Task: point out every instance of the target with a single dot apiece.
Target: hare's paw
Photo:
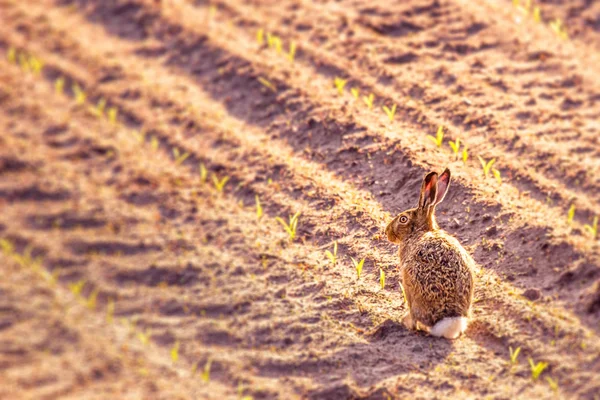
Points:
(409, 322)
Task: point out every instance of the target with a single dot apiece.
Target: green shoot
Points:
(332, 256)
(439, 136)
(277, 44)
(455, 146)
(339, 84)
(497, 175)
(91, 301)
(259, 209)
(487, 166)
(175, 352)
(571, 214)
(112, 115)
(267, 84)
(154, 143)
(537, 369)
(270, 39)
(369, 100)
(559, 28)
(219, 184)
(358, 265)
(553, 384)
(514, 355)
(390, 112)
(77, 287)
(212, 11)
(79, 94)
(144, 337)
(205, 376)
(355, 92)
(292, 53)
(465, 155)
(11, 55)
(260, 36)
(6, 246)
(203, 173)
(592, 229)
(36, 65)
(59, 85)
(537, 15)
(110, 311)
(382, 278)
(290, 227)
(179, 158)
(24, 62)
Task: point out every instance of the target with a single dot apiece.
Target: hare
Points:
(436, 271)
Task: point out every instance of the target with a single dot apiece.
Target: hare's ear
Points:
(428, 191)
(442, 186)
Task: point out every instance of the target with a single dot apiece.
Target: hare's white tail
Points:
(450, 328)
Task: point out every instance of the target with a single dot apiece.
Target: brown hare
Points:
(437, 272)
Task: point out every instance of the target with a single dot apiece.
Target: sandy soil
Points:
(128, 274)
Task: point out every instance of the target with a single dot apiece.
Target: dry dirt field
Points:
(137, 136)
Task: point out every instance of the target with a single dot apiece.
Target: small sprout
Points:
(514, 355)
(36, 65)
(390, 112)
(537, 369)
(259, 209)
(77, 287)
(91, 301)
(267, 84)
(292, 53)
(358, 265)
(496, 174)
(110, 311)
(339, 84)
(6, 246)
(455, 146)
(369, 100)
(355, 92)
(332, 256)
(465, 155)
(203, 173)
(59, 85)
(112, 115)
(99, 109)
(439, 136)
(559, 28)
(260, 36)
(553, 384)
(537, 15)
(79, 94)
(11, 55)
(487, 166)
(592, 229)
(382, 278)
(219, 184)
(290, 227)
(205, 376)
(144, 337)
(179, 158)
(24, 62)
(277, 44)
(270, 40)
(571, 214)
(154, 143)
(175, 352)
(212, 11)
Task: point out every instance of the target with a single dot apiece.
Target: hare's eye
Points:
(403, 219)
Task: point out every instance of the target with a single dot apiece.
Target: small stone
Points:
(417, 349)
(491, 231)
(532, 294)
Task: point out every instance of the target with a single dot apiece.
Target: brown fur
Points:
(436, 270)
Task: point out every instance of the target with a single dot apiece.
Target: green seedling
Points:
(291, 226)
(24, 62)
(79, 94)
(91, 301)
(571, 214)
(260, 36)
(537, 369)
(465, 155)
(267, 84)
(355, 92)
(486, 165)
(340, 84)
(175, 352)
(593, 228)
(496, 174)
(36, 65)
(77, 287)
(455, 146)
(559, 28)
(277, 44)
(205, 376)
(259, 209)
(11, 55)
(439, 136)
(292, 53)
(514, 355)
(140, 136)
(144, 337)
(537, 14)
(179, 158)
(270, 40)
(212, 11)
(358, 265)
(6, 246)
(154, 143)
(219, 183)
(203, 173)
(98, 111)
(110, 311)
(390, 112)
(112, 115)
(381, 278)
(553, 384)
(369, 100)
(59, 85)
(332, 256)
